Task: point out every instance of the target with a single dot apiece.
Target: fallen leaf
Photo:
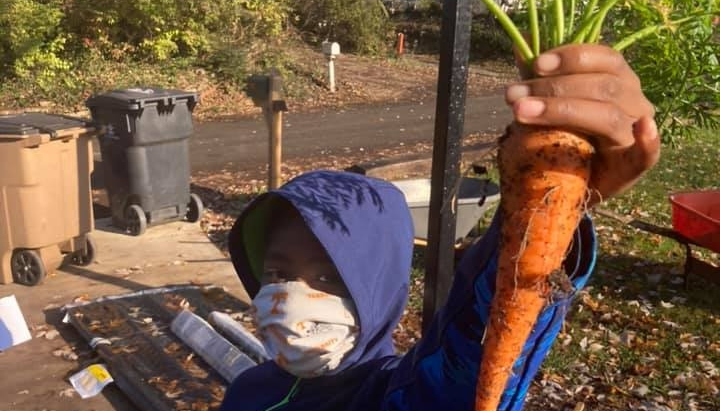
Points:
(627, 337)
(567, 340)
(81, 298)
(678, 300)
(583, 343)
(52, 334)
(613, 338)
(68, 392)
(596, 347)
(672, 324)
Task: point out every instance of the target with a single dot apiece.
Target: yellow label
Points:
(99, 372)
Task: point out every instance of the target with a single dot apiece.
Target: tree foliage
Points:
(359, 25)
(43, 40)
(31, 41)
(43, 37)
(678, 66)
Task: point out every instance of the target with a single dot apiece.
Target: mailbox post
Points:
(331, 50)
(266, 92)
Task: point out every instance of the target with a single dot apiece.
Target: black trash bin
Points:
(145, 158)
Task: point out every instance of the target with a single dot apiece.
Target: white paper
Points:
(212, 347)
(90, 381)
(13, 329)
(239, 336)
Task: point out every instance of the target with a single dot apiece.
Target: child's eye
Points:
(273, 275)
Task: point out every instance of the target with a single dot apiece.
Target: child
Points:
(327, 257)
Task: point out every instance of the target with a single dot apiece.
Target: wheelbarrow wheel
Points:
(27, 267)
(85, 257)
(194, 209)
(135, 220)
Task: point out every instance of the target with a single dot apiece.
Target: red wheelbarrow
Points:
(695, 222)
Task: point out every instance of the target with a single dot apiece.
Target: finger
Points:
(647, 143)
(583, 58)
(599, 87)
(606, 120)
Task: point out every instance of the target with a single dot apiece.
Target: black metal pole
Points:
(449, 119)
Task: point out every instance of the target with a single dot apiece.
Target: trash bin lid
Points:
(137, 98)
(25, 124)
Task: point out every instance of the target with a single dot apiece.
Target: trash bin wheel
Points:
(135, 220)
(27, 267)
(194, 209)
(86, 256)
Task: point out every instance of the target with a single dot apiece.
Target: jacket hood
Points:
(365, 227)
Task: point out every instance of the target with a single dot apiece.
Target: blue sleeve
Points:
(441, 371)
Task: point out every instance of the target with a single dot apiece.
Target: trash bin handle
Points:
(78, 119)
(485, 181)
(53, 133)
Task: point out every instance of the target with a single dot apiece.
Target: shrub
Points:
(488, 40)
(358, 25)
(31, 44)
(228, 60)
(164, 29)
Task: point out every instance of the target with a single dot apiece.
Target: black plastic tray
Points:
(153, 367)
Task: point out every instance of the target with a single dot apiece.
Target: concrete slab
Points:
(33, 379)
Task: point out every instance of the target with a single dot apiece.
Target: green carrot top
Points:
(552, 23)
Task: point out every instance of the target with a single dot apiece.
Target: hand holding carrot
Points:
(583, 132)
(592, 90)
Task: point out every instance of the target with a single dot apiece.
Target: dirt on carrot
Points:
(544, 178)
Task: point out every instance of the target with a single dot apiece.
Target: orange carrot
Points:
(544, 179)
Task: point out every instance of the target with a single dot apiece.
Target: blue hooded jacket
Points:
(365, 227)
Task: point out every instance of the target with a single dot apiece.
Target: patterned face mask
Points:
(305, 331)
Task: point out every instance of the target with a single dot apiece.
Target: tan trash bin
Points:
(45, 197)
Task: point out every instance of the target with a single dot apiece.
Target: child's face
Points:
(294, 254)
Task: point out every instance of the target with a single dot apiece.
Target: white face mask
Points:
(305, 331)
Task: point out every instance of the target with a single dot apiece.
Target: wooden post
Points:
(275, 177)
(331, 73)
(400, 44)
(266, 92)
(274, 112)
